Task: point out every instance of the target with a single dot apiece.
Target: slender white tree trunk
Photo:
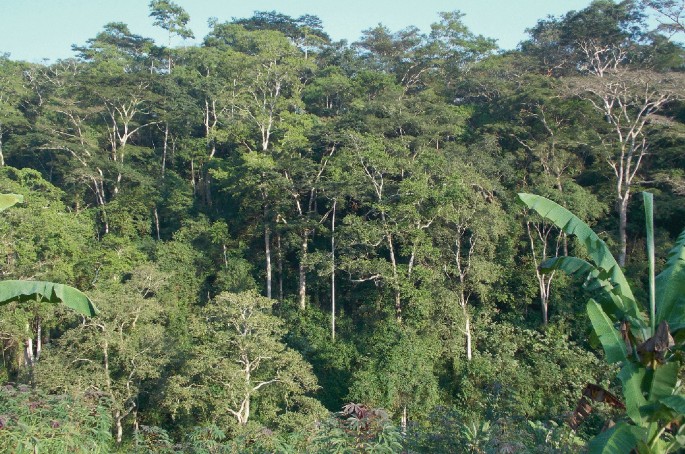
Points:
(333, 272)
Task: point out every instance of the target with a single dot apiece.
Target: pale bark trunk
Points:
(267, 253)
(395, 275)
(279, 257)
(246, 413)
(192, 176)
(467, 332)
(157, 223)
(28, 352)
(165, 147)
(404, 420)
(622, 223)
(302, 289)
(2, 156)
(39, 340)
(333, 272)
(119, 426)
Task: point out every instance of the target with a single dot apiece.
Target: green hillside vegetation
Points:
(290, 244)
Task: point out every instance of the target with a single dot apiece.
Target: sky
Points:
(34, 30)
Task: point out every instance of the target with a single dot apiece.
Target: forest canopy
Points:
(302, 245)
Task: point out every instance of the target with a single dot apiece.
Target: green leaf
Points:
(632, 377)
(620, 439)
(48, 292)
(663, 381)
(670, 288)
(574, 266)
(597, 249)
(8, 200)
(610, 337)
(676, 403)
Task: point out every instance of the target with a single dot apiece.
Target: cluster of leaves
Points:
(32, 421)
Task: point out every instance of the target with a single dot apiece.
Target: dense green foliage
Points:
(273, 225)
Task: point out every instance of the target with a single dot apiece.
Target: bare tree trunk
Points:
(2, 156)
(267, 253)
(28, 352)
(467, 332)
(622, 222)
(404, 420)
(165, 147)
(395, 275)
(333, 272)
(119, 426)
(279, 258)
(157, 223)
(39, 340)
(302, 289)
(192, 176)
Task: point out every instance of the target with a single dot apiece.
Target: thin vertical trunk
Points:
(279, 258)
(28, 352)
(2, 156)
(157, 223)
(467, 332)
(302, 288)
(192, 176)
(246, 412)
(404, 420)
(165, 147)
(39, 338)
(119, 426)
(333, 272)
(267, 253)
(622, 223)
(395, 275)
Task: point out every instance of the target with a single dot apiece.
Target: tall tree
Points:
(172, 18)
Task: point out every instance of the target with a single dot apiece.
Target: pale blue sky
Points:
(35, 29)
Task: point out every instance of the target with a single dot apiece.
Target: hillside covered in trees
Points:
(299, 245)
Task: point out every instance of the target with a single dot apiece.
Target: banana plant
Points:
(41, 291)
(639, 337)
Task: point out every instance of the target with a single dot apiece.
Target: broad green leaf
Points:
(676, 403)
(48, 292)
(610, 337)
(620, 439)
(632, 377)
(663, 381)
(670, 288)
(595, 280)
(8, 200)
(597, 250)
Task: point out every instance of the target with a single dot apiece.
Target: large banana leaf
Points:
(670, 288)
(597, 249)
(7, 200)
(610, 337)
(664, 380)
(595, 278)
(48, 292)
(620, 439)
(632, 378)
